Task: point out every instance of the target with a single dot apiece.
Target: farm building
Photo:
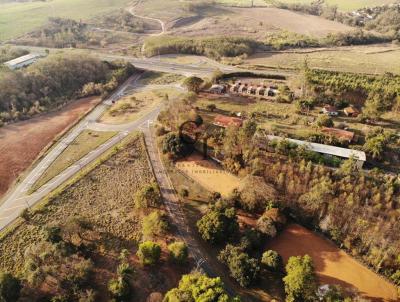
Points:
(22, 61)
(261, 90)
(243, 88)
(217, 89)
(327, 149)
(351, 111)
(235, 87)
(252, 90)
(330, 110)
(341, 135)
(226, 121)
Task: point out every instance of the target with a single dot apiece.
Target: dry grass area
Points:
(104, 198)
(332, 265)
(359, 59)
(255, 22)
(87, 141)
(208, 174)
(132, 107)
(22, 142)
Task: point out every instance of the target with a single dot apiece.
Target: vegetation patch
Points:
(86, 141)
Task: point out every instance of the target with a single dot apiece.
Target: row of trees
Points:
(54, 81)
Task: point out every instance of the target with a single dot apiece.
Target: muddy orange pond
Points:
(333, 266)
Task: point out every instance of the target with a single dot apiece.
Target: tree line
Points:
(54, 81)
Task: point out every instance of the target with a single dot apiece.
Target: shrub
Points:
(271, 260)
(119, 289)
(178, 252)
(266, 226)
(149, 253)
(193, 84)
(148, 196)
(324, 121)
(155, 224)
(10, 288)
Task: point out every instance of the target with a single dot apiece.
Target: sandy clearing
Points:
(333, 265)
(22, 142)
(208, 174)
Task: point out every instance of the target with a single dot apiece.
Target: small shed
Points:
(351, 111)
(252, 90)
(261, 90)
(243, 88)
(330, 110)
(235, 87)
(217, 89)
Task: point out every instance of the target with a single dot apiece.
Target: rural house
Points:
(217, 89)
(351, 111)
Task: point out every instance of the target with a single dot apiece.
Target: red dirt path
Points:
(22, 142)
(333, 266)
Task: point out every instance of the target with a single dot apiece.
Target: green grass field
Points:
(19, 18)
(345, 5)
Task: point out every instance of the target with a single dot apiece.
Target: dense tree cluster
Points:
(210, 47)
(54, 81)
(357, 210)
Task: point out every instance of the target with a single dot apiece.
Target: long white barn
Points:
(327, 149)
(22, 61)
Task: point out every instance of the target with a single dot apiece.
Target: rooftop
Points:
(225, 121)
(325, 149)
(22, 59)
(339, 133)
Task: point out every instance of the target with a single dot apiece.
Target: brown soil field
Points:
(21, 143)
(208, 174)
(257, 22)
(332, 265)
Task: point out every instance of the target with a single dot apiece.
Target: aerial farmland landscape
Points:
(199, 150)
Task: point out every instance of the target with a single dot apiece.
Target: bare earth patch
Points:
(255, 22)
(22, 142)
(333, 266)
(208, 174)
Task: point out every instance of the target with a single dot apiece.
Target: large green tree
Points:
(300, 281)
(242, 267)
(198, 288)
(193, 84)
(218, 225)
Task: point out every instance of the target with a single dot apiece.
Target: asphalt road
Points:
(19, 199)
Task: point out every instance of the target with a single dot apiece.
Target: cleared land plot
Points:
(88, 140)
(132, 107)
(22, 142)
(332, 265)
(160, 78)
(104, 199)
(19, 18)
(255, 22)
(361, 59)
(345, 5)
(208, 174)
